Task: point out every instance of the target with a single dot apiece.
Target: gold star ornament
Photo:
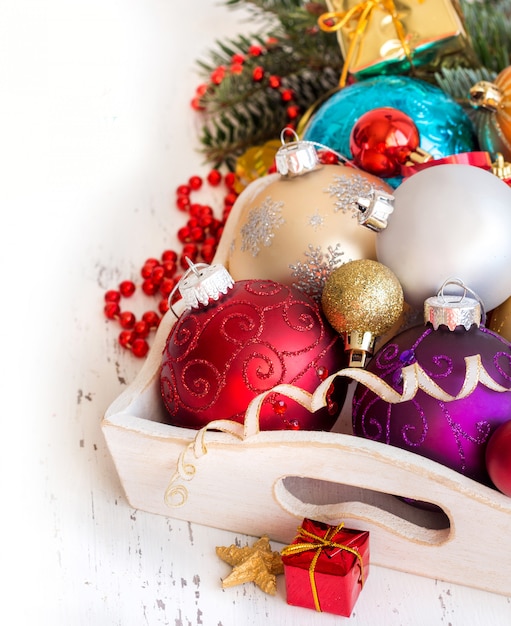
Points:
(256, 563)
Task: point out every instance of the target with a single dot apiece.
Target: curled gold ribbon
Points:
(320, 543)
(333, 21)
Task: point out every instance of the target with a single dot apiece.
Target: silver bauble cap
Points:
(297, 157)
(452, 311)
(203, 283)
(374, 209)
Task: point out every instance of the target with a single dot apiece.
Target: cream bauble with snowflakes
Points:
(296, 226)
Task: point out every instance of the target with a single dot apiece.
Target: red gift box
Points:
(325, 567)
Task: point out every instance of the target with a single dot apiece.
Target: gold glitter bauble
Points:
(363, 296)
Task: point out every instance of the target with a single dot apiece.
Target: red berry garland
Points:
(258, 74)
(199, 239)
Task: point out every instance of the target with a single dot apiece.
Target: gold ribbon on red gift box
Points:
(318, 543)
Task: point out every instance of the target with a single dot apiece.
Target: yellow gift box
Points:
(392, 36)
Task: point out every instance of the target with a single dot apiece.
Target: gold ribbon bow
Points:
(320, 543)
(362, 12)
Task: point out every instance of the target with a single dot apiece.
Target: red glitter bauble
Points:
(382, 140)
(260, 334)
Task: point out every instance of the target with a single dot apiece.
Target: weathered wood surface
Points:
(96, 135)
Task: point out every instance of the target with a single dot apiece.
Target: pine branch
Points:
(488, 23)
(457, 82)
(241, 112)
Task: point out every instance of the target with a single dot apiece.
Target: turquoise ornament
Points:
(444, 127)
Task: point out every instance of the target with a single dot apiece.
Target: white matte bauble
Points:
(450, 221)
(296, 230)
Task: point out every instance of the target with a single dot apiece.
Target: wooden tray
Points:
(267, 482)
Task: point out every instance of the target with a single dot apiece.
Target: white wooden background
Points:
(96, 133)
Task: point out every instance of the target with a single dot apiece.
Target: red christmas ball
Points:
(220, 356)
(498, 458)
(382, 140)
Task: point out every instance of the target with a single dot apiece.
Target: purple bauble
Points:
(454, 433)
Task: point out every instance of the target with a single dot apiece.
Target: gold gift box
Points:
(388, 37)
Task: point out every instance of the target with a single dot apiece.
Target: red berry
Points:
(274, 82)
(230, 198)
(329, 158)
(166, 287)
(111, 310)
(293, 111)
(230, 179)
(195, 182)
(208, 252)
(141, 329)
(183, 202)
(169, 268)
(196, 104)
(258, 74)
(163, 306)
(149, 287)
(218, 75)
(126, 338)
(127, 288)
(201, 89)
(205, 222)
(140, 347)
(197, 234)
(214, 178)
(151, 318)
(255, 50)
(287, 95)
(236, 68)
(183, 190)
(112, 296)
(157, 274)
(183, 234)
(127, 319)
(169, 255)
(237, 58)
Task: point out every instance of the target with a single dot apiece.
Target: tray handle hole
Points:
(331, 502)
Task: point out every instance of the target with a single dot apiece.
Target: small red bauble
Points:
(259, 334)
(498, 458)
(382, 140)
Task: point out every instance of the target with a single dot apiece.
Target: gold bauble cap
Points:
(486, 95)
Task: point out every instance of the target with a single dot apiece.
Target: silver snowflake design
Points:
(348, 190)
(311, 275)
(316, 220)
(259, 229)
